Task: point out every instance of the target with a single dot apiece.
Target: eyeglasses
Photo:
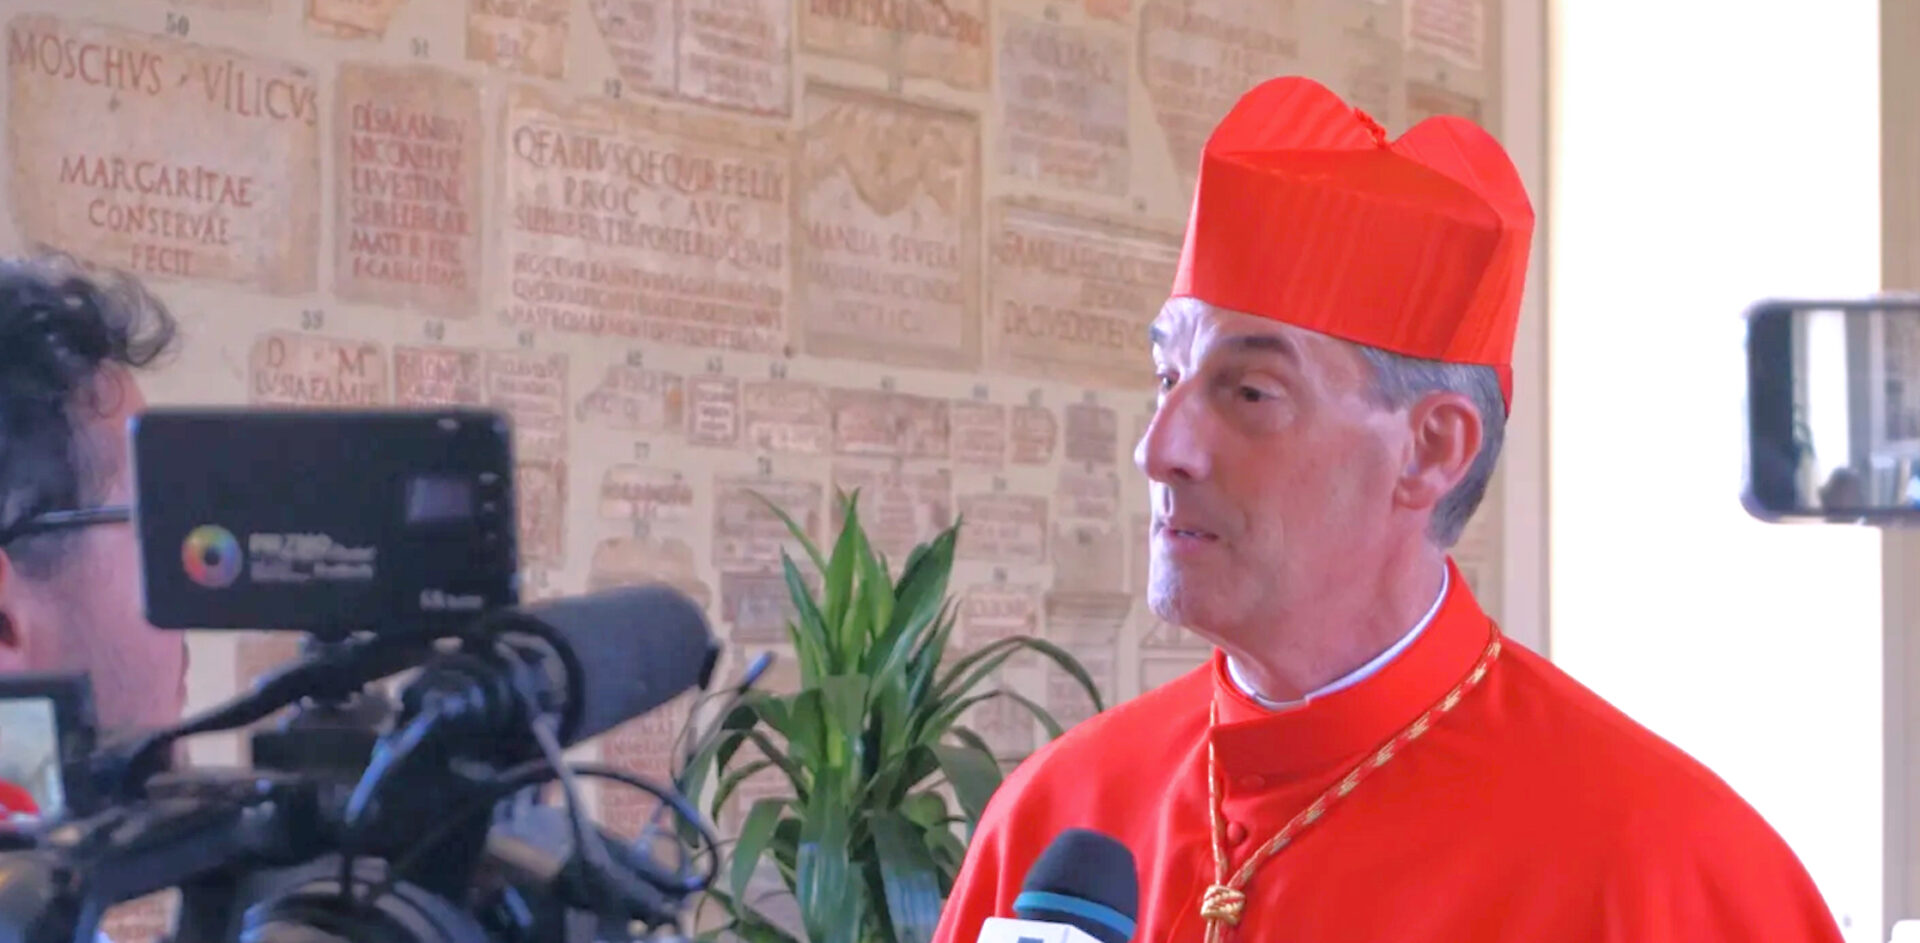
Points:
(53, 521)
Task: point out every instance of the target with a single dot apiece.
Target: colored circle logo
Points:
(211, 556)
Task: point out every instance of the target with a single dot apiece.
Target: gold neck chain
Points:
(1226, 900)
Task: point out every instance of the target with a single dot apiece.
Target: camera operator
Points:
(71, 342)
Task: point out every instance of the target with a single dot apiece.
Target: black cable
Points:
(682, 759)
(388, 758)
(586, 841)
(87, 928)
(685, 746)
(535, 773)
(679, 804)
(755, 670)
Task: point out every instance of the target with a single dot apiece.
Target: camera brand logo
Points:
(211, 556)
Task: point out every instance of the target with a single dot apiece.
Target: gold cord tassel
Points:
(1223, 903)
(1221, 907)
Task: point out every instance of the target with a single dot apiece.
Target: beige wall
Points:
(807, 234)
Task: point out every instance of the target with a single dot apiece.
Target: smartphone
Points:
(1833, 410)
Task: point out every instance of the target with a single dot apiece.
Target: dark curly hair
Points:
(60, 323)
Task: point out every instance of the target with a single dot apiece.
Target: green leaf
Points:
(743, 716)
(796, 771)
(877, 597)
(1054, 729)
(844, 697)
(925, 809)
(851, 634)
(745, 922)
(974, 667)
(975, 775)
(923, 578)
(707, 761)
(755, 833)
(910, 875)
(951, 711)
(775, 710)
(824, 886)
(844, 702)
(925, 662)
(812, 644)
(730, 783)
(807, 728)
(949, 850)
(918, 609)
(763, 931)
(966, 736)
(893, 724)
(837, 577)
(786, 848)
(916, 764)
(806, 542)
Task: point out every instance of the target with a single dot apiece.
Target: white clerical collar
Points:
(1355, 676)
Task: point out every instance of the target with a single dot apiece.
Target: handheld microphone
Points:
(1084, 889)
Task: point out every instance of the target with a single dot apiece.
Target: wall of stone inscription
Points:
(699, 249)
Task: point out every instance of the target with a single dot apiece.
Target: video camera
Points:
(388, 538)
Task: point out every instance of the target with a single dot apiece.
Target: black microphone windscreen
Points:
(1086, 879)
(638, 647)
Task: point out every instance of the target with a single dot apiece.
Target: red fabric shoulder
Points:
(1672, 851)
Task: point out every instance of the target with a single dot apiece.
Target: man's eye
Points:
(1252, 395)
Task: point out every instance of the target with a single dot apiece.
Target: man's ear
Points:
(15, 623)
(1445, 434)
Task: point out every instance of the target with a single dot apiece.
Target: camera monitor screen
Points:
(31, 783)
(46, 731)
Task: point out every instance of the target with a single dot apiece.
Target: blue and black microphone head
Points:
(1085, 879)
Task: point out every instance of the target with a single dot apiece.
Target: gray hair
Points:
(1398, 381)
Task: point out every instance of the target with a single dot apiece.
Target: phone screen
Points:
(1834, 410)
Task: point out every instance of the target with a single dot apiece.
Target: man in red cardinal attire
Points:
(1365, 758)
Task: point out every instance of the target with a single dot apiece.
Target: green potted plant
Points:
(866, 842)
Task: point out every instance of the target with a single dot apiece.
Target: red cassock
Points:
(1531, 811)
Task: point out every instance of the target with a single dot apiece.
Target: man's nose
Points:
(1174, 447)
